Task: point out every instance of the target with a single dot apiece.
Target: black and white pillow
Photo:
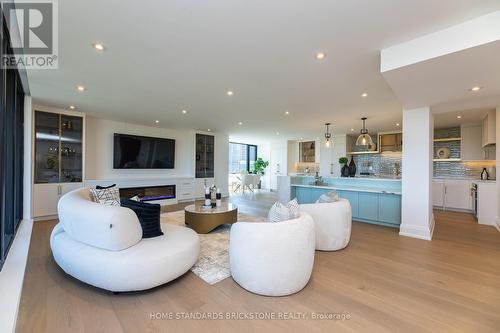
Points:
(148, 215)
(106, 196)
(283, 212)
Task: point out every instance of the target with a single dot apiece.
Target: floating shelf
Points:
(448, 139)
(362, 152)
(447, 159)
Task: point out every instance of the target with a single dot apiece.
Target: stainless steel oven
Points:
(474, 198)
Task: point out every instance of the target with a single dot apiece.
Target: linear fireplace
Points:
(149, 193)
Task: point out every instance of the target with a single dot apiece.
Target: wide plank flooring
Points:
(382, 281)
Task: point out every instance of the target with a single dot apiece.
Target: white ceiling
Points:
(166, 56)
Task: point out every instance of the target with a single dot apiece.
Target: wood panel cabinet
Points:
(391, 141)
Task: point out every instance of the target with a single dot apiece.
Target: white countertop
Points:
(350, 188)
(387, 178)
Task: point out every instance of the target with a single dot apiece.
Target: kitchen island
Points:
(373, 200)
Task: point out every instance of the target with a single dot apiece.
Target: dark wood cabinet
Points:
(205, 159)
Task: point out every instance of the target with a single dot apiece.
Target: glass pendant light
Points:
(328, 136)
(364, 139)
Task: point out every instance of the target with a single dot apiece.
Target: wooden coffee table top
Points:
(200, 209)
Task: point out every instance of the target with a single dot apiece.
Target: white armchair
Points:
(332, 223)
(102, 245)
(272, 259)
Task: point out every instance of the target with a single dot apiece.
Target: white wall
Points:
(497, 139)
(99, 152)
(278, 162)
(417, 218)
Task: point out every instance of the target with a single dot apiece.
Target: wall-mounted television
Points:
(142, 152)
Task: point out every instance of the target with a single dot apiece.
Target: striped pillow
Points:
(283, 212)
(331, 196)
(149, 217)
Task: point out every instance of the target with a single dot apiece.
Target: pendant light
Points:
(364, 139)
(328, 136)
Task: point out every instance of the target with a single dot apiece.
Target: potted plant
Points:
(344, 172)
(259, 167)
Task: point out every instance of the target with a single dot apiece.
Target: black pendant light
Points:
(328, 135)
(364, 139)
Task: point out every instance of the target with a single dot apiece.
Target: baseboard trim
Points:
(12, 277)
(497, 224)
(416, 231)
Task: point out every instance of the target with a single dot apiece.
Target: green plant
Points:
(259, 166)
(343, 160)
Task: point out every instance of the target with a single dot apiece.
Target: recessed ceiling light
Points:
(72, 107)
(209, 130)
(301, 138)
(364, 95)
(287, 113)
(320, 56)
(352, 129)
(98, 46)
(81, 88)
(184, 111)
(230, 93)
(397, 124)
(240, 123)
(157, 121)
(476, 88)
(459, 117)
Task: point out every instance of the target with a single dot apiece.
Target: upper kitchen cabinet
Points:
(472, 143)
(489, 128)
(307, 152)
(390, 141)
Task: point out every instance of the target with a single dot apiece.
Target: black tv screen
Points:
(142, 152)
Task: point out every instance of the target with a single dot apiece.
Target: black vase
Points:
(352, 168)
(344, 171)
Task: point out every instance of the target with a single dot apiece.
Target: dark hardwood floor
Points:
(384, 282)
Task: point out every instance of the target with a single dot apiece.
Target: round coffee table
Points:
(205, 219)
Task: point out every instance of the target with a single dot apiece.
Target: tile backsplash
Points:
(463, 169)
(383, 165)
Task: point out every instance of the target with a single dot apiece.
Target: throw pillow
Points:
(293, 207)
(148, 215)
(283, 212)
(107, 196)
(99, 187)
(331, 196)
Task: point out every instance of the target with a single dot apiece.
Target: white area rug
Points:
(213, 264)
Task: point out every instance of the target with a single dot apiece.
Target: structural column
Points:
(497, 138)
(417, 218)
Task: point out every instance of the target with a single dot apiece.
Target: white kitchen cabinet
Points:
(489, 128)
(471, 148)
(457, 194)
(46, 197)
(185, 189)
(454, 194)
(438, 192)
(486, 202)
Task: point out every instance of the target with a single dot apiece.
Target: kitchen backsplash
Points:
(303, 167)
(463, 169)
(382, 165)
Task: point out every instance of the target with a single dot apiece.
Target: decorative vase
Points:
(352, 168)
(344, 171)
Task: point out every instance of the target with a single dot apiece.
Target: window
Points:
(11, 151)
(242, 157)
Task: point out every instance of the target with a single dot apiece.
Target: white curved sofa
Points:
(102, 245)
(332, 223)
(272, 259)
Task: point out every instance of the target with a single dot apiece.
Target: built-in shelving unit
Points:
(447, 159)
(362, 152)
